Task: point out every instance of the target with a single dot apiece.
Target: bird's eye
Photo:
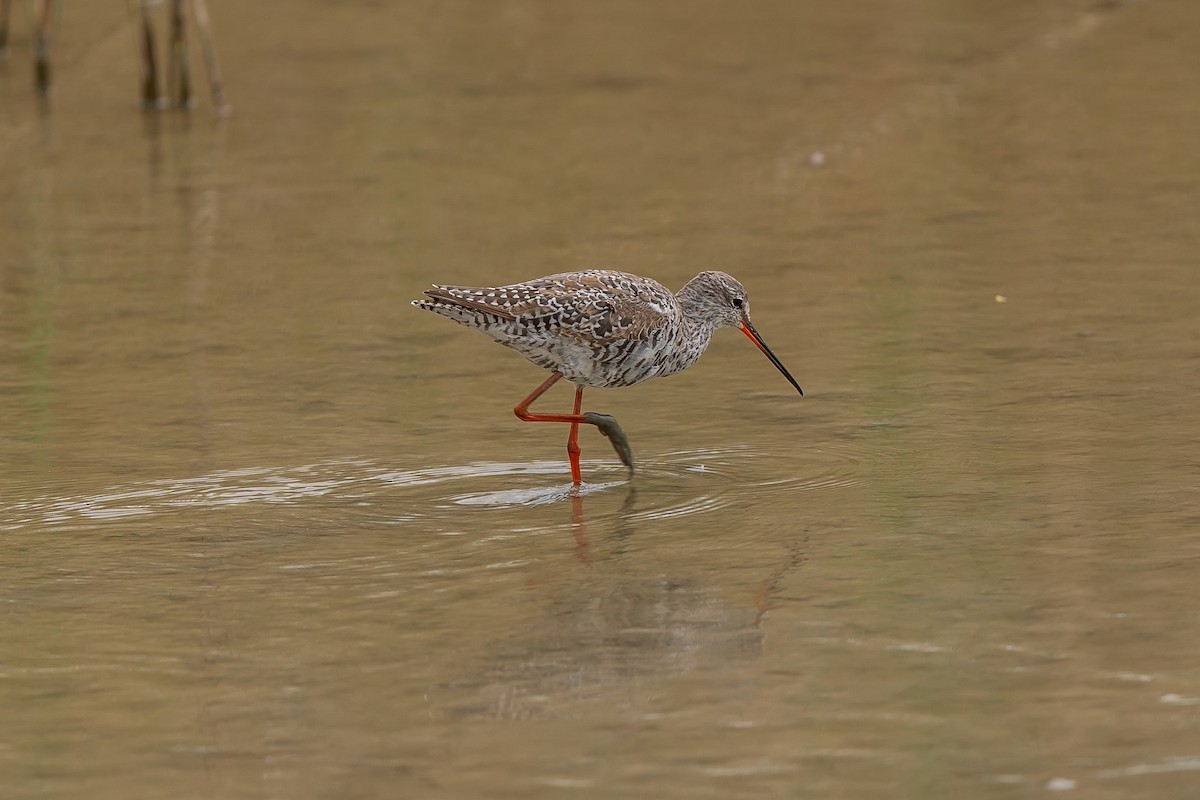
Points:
(737, 302)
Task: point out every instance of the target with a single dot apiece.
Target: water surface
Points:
(267, 531)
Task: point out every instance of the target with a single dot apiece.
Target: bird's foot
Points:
(609, 427)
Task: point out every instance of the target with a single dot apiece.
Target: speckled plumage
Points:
(599, 327)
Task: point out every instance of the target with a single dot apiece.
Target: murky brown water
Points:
(267, 531)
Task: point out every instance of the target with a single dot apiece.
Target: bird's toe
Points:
(608, 426)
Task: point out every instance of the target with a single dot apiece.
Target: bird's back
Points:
(597, 327)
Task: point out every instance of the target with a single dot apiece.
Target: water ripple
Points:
(681, 483)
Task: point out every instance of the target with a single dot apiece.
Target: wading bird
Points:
(601, 328)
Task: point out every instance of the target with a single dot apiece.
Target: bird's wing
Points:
(612, 306)
(595, 306)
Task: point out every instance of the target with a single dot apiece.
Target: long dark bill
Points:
(749, 330)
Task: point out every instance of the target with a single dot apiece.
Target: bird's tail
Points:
(454, 312)
(459, 309)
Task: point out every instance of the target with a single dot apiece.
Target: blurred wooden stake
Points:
(178, 86)
(179, 83)
(5, 5)
(220, 106)
(43, 10)
(150, 94)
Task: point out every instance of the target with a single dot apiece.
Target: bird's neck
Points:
(696, 328)
(698, 320)
(691, 298)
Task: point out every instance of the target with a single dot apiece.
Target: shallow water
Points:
(268, 531)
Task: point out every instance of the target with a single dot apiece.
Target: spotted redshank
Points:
(601, 328)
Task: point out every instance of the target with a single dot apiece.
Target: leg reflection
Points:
(579, 528)
(621, 531)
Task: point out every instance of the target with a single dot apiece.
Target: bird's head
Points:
(719, 298)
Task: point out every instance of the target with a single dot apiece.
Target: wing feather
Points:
(593, 307)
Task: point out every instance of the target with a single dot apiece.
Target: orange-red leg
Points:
(573, 440)
(607, 425)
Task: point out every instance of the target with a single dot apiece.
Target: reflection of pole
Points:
(202, 237)
(581, 544)
(40, 232)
